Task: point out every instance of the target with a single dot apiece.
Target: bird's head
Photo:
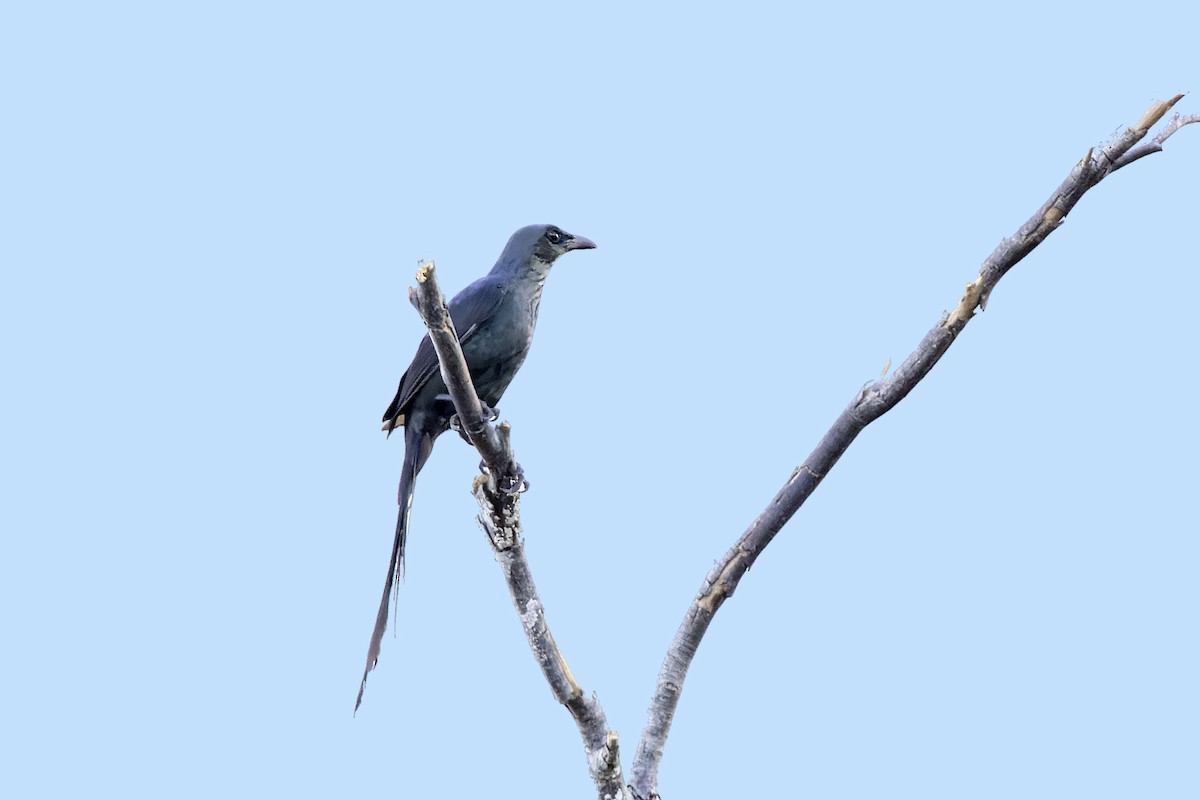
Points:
(544, 243)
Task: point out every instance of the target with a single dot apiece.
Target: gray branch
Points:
(869, 404)
(1155, 145)
(498, 490)
(429, 302)
(502, 522)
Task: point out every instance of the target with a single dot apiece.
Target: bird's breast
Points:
(534, 303)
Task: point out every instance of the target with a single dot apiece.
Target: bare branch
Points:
(429, 302)
(501, 521)
(869, 404)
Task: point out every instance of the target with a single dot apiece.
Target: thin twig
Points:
(502, 522)
(1148, 121)
(869, 404)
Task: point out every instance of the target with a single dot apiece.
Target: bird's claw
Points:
(457, 426)
(489, 414)
(517, 484)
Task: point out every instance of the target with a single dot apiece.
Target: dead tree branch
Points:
(869, 404)
(499, 491)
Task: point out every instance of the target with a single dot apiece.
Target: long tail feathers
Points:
(408, 474)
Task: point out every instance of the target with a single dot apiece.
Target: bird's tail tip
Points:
(362, 687)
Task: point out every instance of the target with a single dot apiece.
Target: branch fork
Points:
(501, 514)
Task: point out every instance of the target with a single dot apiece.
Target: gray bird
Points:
(494, 317)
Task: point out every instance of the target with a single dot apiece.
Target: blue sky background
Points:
(211, 213)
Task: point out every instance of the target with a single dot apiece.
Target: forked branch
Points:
(498, 491)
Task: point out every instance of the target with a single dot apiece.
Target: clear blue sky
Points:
(211, 213)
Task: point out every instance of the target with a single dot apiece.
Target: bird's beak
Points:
(579, 243)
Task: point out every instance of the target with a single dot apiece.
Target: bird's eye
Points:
(553, 236)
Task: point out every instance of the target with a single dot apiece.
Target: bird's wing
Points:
(469, 309)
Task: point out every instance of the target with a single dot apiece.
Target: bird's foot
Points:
(517, 484)
(457, 426)
(490, 414)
